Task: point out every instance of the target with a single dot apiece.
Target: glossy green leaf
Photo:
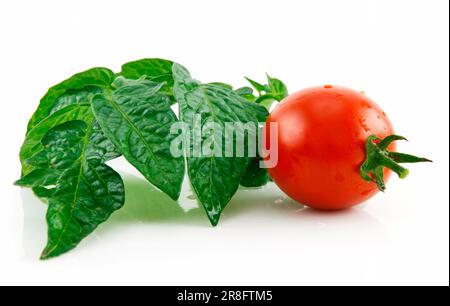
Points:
(67, 101)
(153, 69)
(214, 177)
(266, 101)
(82, 191)
(258, 86)
(73, 105)
(258, 112)
(277, 88)
(255, 176)
(33, 144)
(246, 93)
(225, 85)
(100, 77)
(74, 97)
(268, 95)
(243, 91)
(138, 119)
(274, 91)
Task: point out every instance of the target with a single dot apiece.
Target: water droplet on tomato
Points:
(366, 104)
(362, 122)
(366, 192)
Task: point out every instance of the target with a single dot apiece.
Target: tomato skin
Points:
(321, 145)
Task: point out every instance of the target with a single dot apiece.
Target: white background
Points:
(397, 51)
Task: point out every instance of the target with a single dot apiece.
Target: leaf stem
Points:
(378, 157)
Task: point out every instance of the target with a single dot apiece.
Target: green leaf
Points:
(263, 98)
(74, 104)
(82, 191)
(153, 69)
(256, 111)
(214, 177)
(67, 101)
(99, 77)
(74, 97)
(32, 143)
(244, 91)
(277, 88)
(40, 177)
(255, 176)
(100, 147)
(225, 85)
(137, 119)
(258, 86)
(266, 100)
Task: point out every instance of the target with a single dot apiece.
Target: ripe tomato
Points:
(322, 133)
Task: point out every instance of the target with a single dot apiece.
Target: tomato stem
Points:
(378, 157)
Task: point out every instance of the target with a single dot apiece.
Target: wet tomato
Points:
(322, 132)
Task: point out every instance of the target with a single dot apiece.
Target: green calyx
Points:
(378, 157)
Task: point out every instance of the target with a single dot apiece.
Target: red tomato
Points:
(321, 146)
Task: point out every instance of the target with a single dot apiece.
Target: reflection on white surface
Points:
(35, 227)
(263, 238)
(251, 217)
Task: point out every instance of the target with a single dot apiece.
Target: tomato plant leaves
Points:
(101, 77)
(255, 176)
(274, 91)
(75, 97)
(225, 85)
(33, 144)
(277, 88)
(80, 111)
(137, 118)
(258, 86)
(67, 101)
(243, 91)
(153, 69)
(96, 116)
(214, 178)
(82, 191)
